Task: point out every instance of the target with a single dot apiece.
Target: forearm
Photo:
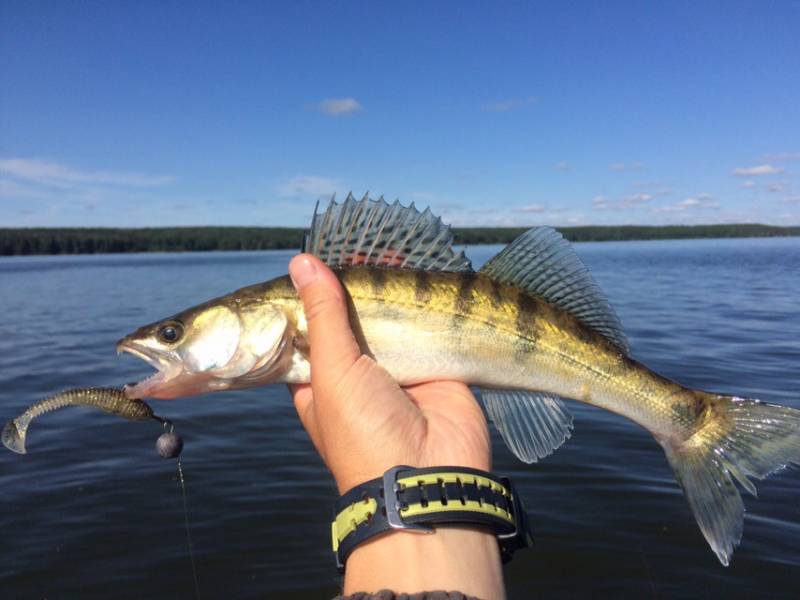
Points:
(451, 559)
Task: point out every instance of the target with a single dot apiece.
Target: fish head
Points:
(215, 346)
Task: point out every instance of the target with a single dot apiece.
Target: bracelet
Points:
(411, 499)
(390, 595)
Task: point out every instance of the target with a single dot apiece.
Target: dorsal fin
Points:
(542, 262)
(373, 232)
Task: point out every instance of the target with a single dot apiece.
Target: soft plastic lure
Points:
(110, 400)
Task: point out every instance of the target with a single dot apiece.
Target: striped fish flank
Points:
(529, 329)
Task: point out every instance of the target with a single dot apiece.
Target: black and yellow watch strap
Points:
(415, 499)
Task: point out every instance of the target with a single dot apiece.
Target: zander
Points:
(531, 327)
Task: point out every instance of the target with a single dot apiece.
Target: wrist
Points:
(451, 558)
(359, 471)
(423, 529)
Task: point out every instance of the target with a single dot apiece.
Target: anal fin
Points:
(532, 424)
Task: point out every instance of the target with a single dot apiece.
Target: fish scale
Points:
(521, 328)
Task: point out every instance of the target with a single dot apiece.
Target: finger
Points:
(301, 394)
(304, 404)
(333, 346)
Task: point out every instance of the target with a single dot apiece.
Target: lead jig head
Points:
(169, 445)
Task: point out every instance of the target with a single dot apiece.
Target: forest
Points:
(24, 241)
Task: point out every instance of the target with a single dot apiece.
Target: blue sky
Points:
(177, 113)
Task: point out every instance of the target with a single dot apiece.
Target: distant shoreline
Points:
(41, 240)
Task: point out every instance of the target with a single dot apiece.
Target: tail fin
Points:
(13, 436)
(740, 438)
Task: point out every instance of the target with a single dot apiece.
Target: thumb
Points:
(333, 346)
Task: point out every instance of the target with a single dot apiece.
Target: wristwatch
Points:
(416, 499)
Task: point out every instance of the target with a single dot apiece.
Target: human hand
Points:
(360, 420)
(362, 423)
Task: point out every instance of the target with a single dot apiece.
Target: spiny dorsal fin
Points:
(373, 232)
(532, 424)
(542, 262)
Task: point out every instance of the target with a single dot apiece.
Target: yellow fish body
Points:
(529, 329)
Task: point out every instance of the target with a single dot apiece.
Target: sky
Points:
(245, 113)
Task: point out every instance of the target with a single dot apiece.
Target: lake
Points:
(92, 512)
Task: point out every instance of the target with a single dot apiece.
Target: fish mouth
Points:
(155, 386)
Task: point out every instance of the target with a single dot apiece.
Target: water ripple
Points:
(91, 512)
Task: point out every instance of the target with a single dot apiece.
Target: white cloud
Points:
(531, 208)
(50, 173)
(749, 184)
(778, 187)
(756, 170)
(308, 185)
(15, 190)
(635, 199)
(637, 202)
(563, 166)
(339, 107)
(50, 193)
(656, 188)
(700, 201)
(510, 104)
(529, 215)
(630, 201)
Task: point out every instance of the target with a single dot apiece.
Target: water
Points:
(92, 512)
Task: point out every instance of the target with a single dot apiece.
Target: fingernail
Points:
(302, 271)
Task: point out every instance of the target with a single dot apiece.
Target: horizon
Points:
(212, 115)
(455, 228)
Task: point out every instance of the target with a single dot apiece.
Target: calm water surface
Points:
(91, 512)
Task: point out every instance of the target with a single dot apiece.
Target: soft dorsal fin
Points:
(542, 262)
(373, 232)
(532, 424)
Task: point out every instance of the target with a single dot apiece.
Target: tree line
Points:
(162, 239)
(193, 239)
(611, 233)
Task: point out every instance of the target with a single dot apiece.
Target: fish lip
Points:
(147, 355)
(146, 387)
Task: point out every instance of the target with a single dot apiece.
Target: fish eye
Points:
(170, 333)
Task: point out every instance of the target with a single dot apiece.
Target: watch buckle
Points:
(391, 502)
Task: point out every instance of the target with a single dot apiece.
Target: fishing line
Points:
(188, 531)
(170, 445)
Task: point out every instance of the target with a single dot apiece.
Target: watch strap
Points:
(415, 499)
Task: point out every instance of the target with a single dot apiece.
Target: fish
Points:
(529, 329)
(110, 400)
